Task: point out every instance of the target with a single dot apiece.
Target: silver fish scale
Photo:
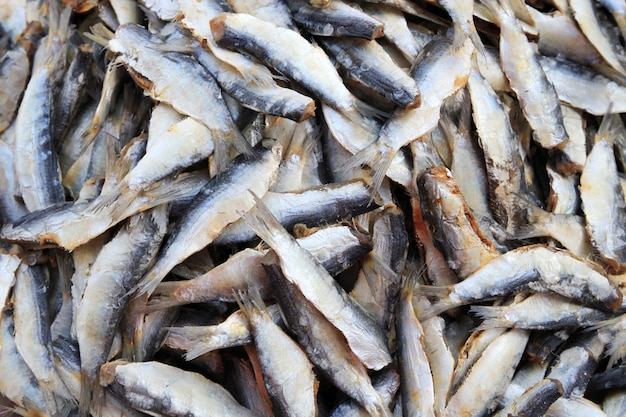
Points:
(478, 271)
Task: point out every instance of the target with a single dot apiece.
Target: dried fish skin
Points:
(155, 387)
(583, 88)
(537, 96)
(337, 19)
(604, 206)
(133, 249)
(454, 228)
(538, 267)
(287, 372)
(293, 56)
(364, 335)
(156, 70)
(480, 386)
(268, 98)
(23, 388)
(368, 62)
(221, 203)
(324, 344)
(327, 203)
(541, 311)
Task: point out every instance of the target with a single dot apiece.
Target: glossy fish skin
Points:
(218, 205)
(337, 19)
(368, 62)
(454, 228)
(287, 372)
(386, 383)
(269, 99)
(155, 387)
(363, 334)
(133, 248)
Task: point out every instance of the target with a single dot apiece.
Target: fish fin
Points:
(379, 162)
(151, 279)
(528, 231)
(100, 34)
(257, 74)
(84, 400)
(492, 317)
(165, 297)
(261, 220)
(222, 146)
(203, 338)
(378, 408)
(476, 40)
(443, 303)
(460, 35)
(615, 350)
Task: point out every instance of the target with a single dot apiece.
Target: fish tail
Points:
(86, 392)
(148, 284)
(378, 161)
(443, 303)
(460, 34)
(492, 317)
(250, 300)
(378, 409)
(203, 338)
(476, 40)
(262, 221)
(166, 297)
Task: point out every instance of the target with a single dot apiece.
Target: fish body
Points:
(155, 387)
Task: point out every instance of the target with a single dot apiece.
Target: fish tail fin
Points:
(261, 220)
(459, 35)
(378, 160)
(223, 144)
(86, 392)
(165, 297)
(250, 301)
(378, 409)
(492, 317)
(476, 40)
(151, 279)
(203, 339)
(443, 303)
(617, 349)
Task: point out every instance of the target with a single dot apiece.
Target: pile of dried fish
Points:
(312, 208)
